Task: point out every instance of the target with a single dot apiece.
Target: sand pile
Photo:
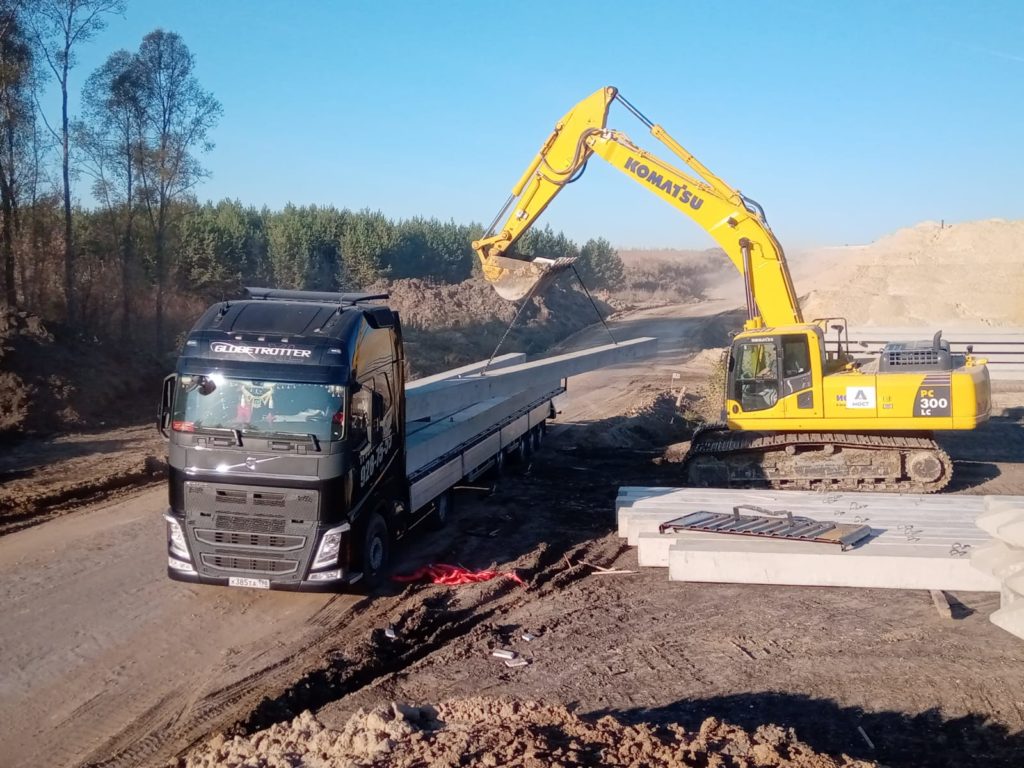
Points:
(504, 732)
(966, 275)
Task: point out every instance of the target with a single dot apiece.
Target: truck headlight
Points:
(176, 539)
(330, 546)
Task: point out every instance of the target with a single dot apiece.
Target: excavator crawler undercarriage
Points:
(842, 461)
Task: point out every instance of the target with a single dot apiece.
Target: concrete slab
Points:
(1004, 519)
(917, 541)
(449, 395)
(779, 562)
(998, 559)
(1010, 618)
(653, 548)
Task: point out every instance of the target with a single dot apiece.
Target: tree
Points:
(305, 247)
(599, 264)
(176, 117)
(223, 247)
(58, 27)
(108, 136)
(16, 119)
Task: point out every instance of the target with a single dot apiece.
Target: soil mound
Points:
(51, 381)
(505, 732)
(448, 325)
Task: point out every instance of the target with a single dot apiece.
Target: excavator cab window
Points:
(796, 364)
(756, 375)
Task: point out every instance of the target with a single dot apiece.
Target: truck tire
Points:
(438, 517)
(523, 449)
(376, 554)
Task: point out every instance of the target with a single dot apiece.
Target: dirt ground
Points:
(867, 675)
(46, 477)
(870, 675)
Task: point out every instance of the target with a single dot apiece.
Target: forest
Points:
(101, 229)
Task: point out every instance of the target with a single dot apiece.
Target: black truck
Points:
(288, 443)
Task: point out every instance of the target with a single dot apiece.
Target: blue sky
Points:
(846, 120)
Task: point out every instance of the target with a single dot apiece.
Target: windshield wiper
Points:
(234, 434)
(307, 437)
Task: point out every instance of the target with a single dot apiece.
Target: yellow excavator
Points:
(800, 411)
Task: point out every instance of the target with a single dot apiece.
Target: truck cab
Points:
(286, 429)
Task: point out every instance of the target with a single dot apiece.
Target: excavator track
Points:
(842, 461)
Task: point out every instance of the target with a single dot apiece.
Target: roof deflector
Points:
(320, 297)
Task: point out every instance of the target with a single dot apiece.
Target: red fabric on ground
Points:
(453, 575)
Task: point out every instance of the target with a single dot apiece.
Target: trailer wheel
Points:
(538, 436)
(523, 449)
(376, 551)
(438, 517)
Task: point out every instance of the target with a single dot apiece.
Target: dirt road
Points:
(107, 662)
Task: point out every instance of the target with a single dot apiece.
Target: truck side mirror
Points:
(163, 413)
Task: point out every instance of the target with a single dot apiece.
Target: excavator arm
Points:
(735, 222)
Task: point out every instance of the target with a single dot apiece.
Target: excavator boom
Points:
(736, 223)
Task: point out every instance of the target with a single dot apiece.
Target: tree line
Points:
(145, 246)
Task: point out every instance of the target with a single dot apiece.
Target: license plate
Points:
(242, 581)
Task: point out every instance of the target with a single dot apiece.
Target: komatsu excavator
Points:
(800, 410)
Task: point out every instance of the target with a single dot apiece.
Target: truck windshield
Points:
(253, 406)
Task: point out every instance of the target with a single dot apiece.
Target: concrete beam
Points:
(782, 562)
(450, 395)
(501, 361)
(434, 439)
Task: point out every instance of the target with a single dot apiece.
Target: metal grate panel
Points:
(773, 524)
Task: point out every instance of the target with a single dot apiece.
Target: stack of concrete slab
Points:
(916, 541)
(451, 408)
(1003, 558)
(452, 391)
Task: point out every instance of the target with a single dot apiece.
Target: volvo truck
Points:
(291, 462)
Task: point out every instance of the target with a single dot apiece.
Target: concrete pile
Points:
(1003, 558)
(916, 542)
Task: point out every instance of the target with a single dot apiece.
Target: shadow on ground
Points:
(898, 740)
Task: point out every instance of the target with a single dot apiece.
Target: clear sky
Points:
(845, 120)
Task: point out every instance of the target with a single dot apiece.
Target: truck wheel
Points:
(376, 551)
(538, 436)
(523, 451)
(438, 518)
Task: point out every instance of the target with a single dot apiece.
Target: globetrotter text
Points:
(223, 347)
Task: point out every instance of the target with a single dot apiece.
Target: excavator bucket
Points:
(515, 279)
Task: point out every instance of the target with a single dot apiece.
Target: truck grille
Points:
(223, 562)
(250, 540)
(249, 524)
(251, 530)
